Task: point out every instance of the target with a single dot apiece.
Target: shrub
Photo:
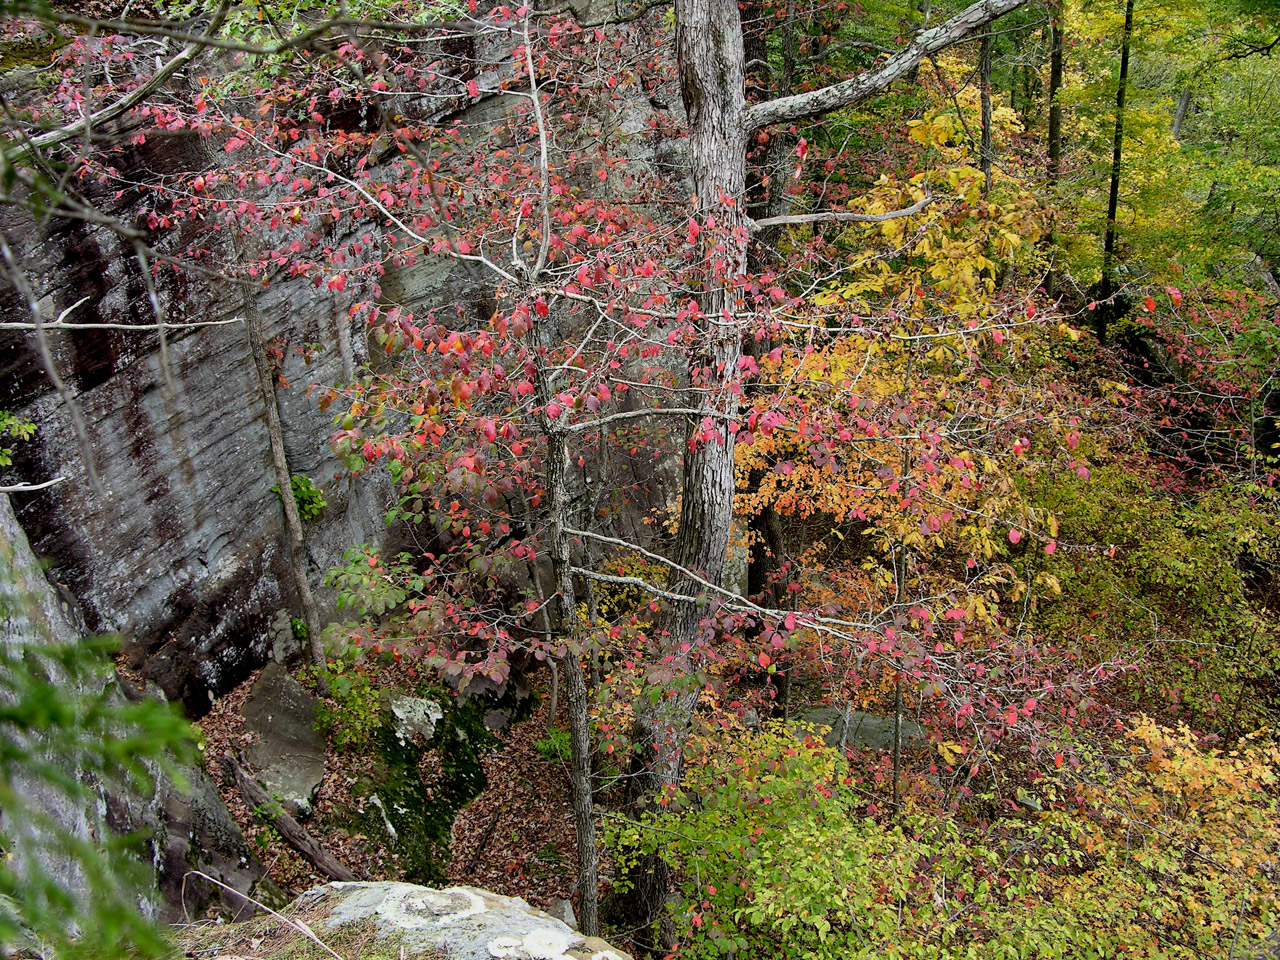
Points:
(555, 746)
(1169, 853)
(353, 714)
(309, 498)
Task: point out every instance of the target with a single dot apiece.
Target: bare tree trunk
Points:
(577, 697)
(284, 479)
(712, 81)
(985, 84)
(1055, 107)
(1113, 201)
(1180, 112)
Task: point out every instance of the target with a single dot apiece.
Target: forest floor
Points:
(515, 838)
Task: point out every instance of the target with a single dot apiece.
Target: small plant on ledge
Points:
(309, 498)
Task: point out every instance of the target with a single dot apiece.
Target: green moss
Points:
(28, 52)
(415, 808)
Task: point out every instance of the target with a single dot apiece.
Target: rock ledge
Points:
(458, 923)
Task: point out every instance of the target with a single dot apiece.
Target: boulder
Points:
(288, 757)
(404, 920)
(854, 728)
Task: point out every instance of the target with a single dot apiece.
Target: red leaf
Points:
(764, 660)
(473, 89)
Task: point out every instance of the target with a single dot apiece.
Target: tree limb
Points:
(839, 216)
(29, 487)
(126, 103)
(289, 828)
(856, 89)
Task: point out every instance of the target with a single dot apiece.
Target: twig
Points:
(19, 280)
(297, 925)
(28, 487)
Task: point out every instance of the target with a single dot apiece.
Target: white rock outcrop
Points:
(464, 923)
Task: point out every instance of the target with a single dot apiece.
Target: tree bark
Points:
(1055, 107)
(984, 83)
(284, 479)
(1180, 113)
(710, 55)
(1113, 200)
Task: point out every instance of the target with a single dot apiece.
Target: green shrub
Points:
(355, 714)
(555, 746)
(776, 858)
(309, 498)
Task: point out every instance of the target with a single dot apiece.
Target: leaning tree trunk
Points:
(284, 480)
(1113, 200)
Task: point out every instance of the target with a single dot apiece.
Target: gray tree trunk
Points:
(284, 479)
(1180, 112)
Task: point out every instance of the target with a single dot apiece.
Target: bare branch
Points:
(840, 216)
(855, 89)
(126, 103)
(61, 325)
(29, 487)
(637, 414)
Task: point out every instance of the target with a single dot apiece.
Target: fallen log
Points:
(292, 831)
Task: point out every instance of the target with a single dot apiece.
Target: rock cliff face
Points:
(184, 556)
(187, 826)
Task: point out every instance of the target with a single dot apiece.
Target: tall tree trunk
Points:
(1113, 201)
(710, 55)
(1055, 107)
(711, 80)
(985, 83)
(284, 479)
(1180, 112)
(577, 697)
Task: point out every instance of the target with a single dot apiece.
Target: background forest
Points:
(856, 421)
